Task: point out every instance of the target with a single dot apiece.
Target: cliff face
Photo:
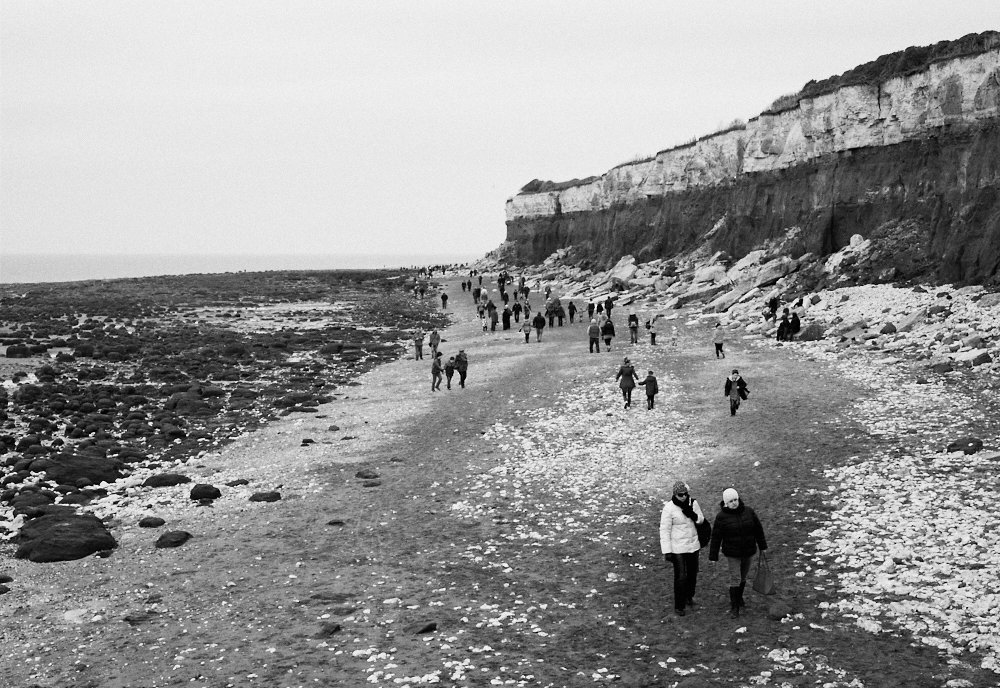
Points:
(920, 150)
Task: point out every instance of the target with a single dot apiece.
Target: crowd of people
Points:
(685, 530)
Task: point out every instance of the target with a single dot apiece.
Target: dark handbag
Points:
(704, 532)
(763, 579)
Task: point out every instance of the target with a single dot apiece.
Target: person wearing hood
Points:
(679, 543)
(739, 534)
(736, 389)
(627, 377)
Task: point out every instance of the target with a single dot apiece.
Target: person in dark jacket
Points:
(738, 532)
(571, 309)
(449, 369)
(608, 332)
(794, 325)
(651, 389)
(627, 377)
(736, 389)
(633, 327)
(590, 310)
(538, 322)
(462, 366)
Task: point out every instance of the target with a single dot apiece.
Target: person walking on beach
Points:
(571, 309)
(609, 303)
(633, 327)
(418, 345)
(436, 370)
(651, 327)
(594, 332)
(505, 318)
(719, 339)
(526, 329)
(651, 389)
(539, 324)
(608, 332)
(679, 543)
(444, 301)
(736, 389)
(462, 366)
(627, 377)
(739, 534)
(590, 310)
(449, 370)
(516, 309)
(435, 341)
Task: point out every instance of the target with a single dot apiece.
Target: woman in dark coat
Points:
(738, 532)
(608, 332)
(627, 376)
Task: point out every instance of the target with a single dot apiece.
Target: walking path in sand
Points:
(511, 538)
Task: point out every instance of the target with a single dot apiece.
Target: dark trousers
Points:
(734, 403)
(649, 401)
(595, 343)
(627, 395)
(652, 338)
(448, 375)
(461, 377)
(719, 353)
(634, 332)
(685, 578)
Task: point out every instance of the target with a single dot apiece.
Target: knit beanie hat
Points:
(680, 487)
(729, 494)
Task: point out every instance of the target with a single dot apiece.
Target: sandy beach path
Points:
(507, 535)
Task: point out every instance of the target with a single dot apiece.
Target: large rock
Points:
(165, 480)
(811, 332)
(63, 537)
(68, 469)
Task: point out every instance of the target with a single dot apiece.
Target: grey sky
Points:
(379, 127)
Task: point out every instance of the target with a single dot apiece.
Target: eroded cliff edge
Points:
(915, 154)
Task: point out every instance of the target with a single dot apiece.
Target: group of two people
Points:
(736, 531)
(458, 363)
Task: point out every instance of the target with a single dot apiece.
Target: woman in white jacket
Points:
(679, 543)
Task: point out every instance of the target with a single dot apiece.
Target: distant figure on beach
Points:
(493, 318)
(633, 327)
(736, 389)
(679, 543)
(794, 324)
(462, 366)
(651, 389)
(772, 308)
(444, 300)
(651, 328)
(418, 345)
(436, 370)
(449, 370)
(594, 333)
(784, 333)
(463, 286)
(526, 329)
(505, 318)
(538, 322)
(608, 332)
(609, 303)
(435, 341)
(738, 532)
(590, 310)
(516, 309)
(626, 377)
(719, 339)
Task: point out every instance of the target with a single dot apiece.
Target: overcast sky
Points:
(380, 127)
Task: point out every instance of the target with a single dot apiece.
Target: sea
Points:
(28, 268)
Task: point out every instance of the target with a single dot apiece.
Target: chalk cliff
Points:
(891, 143)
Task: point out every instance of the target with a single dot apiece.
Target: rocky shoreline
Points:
(108, 380)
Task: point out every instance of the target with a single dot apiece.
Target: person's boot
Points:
(734, 607)
(739, 596)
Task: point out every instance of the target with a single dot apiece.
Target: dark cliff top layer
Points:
(902, 63)
(539, 186)
(905, 62)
